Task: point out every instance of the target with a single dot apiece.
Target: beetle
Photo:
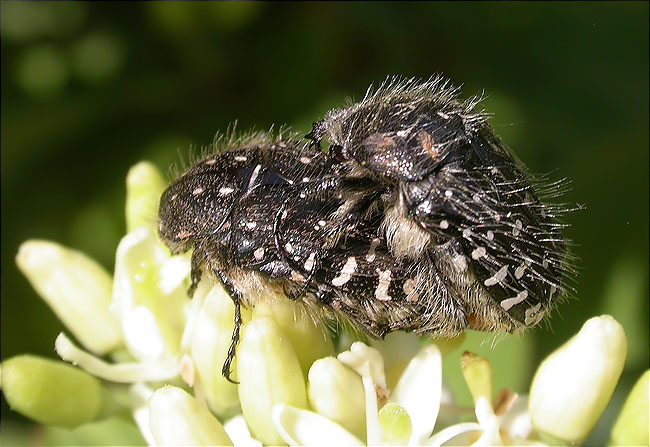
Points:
(453, 179)
(417, 217)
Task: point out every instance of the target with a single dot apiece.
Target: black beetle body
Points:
(418, 219)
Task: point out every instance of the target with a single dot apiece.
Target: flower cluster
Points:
(150, 351)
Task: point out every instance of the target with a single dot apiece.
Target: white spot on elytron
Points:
(309, 264)
(290, 182)
(402, 133)
(518, 228)
(467, 233)
(381, 292)
(346, 272)
(173, 197)
(288, 247)
(296, 258)
(476, 198)
(460, 262)
(478, 253)
(509, 214)
(259, 253)
(508, 303)
(302, 195)
(444, 224)
(305, 179)
(284, 214)
(409, 288)
(490, 235)
(225, 191)
(371, 251)
(251, 225)
(519, 271)
(448, 193)
(211, 161)
(321, 223)
(533, 315)
(254, 174)
(240, 158)
(297, 276)
(305, 160)
(498, 276)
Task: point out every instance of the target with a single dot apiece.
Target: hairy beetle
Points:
(416, 218)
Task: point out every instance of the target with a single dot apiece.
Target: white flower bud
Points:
(335, 391)
(210, 343)
(309, 338)
(269, 373)
(176, 418)
(76, 288)
(144, 186)
(574, 384)
(632, 426)
(52, 392)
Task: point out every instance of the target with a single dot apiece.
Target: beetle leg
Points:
(236, 299)
(195, 273)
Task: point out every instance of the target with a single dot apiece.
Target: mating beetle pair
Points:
(416, 218)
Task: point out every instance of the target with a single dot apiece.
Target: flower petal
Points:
(451, 432)
(237, 430)
(489, 424)
(516, 422)
(173, 273)
(138, 265)
(365, 361)
(301, 427)
(373, 428)
(419, 390)
(140, 394)
(164, 368)
(142, 333)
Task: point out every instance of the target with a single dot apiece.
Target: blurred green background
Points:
(89, 89)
